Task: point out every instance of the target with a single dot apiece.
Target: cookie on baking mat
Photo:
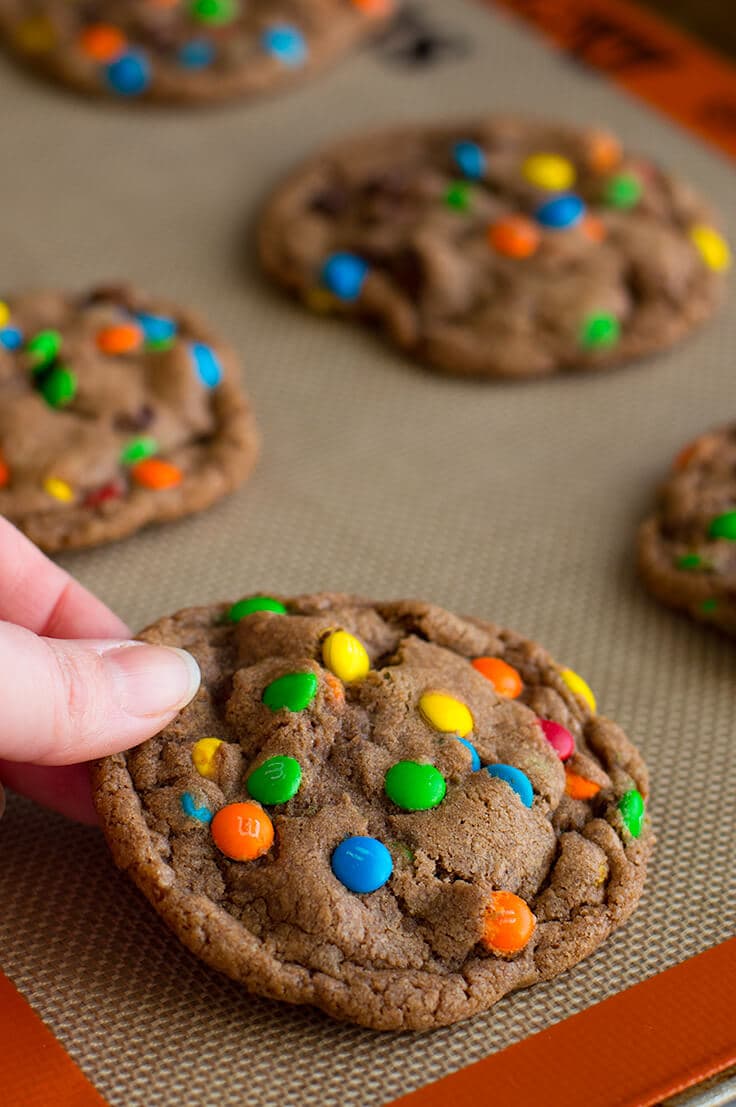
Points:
(117, 409)
(195, 51)
(687, 548)
(498, 247)
(382, 809)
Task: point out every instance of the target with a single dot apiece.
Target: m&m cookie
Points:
(687, 547)
(117, 409)
(370, 805)
(196, 51)
(498, 247)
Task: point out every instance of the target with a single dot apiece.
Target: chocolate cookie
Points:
(687, 549)
(498, 247)
(116, 409)
(194, 51)
(381, 809)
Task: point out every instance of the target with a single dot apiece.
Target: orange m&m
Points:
(156, 474)
(242, 831)
(579, 787)
(593, 228)
(515, 236)
(508, 923)
(504, 678)
(120, 338)
(102, 42)
(604, 152)
(4, 472)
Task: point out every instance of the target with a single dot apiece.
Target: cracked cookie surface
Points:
(117, 409)
(498, 247)
(276, 828)
(196, 51)
(687, 548)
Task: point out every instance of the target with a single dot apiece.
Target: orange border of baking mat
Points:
(632, 1050)
(645, 55)
(34, 1069)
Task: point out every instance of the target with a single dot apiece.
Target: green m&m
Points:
(293, 691)
(58, 387)
(276, 780)
(631, 806)
(600, 330)
(690, 561)
(43, 348)
(458, 196)
(622, 191)
(216, 12)
(414, 786)
(138, 449)
(254, 603)
(723, 526)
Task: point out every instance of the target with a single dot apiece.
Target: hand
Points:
(73, 686)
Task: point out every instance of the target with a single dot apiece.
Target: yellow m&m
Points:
(549, 171)
(345, 656)
(59, 489)
(711, 246)
(204, 755)
(445, 713)
(578, 686)
(4, 313)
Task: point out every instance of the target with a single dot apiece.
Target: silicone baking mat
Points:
(515, 502)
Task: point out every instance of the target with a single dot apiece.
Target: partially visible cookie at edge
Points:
(117, 409)
(189, 51)
(687, 548)
(498, 247)
(381, 809)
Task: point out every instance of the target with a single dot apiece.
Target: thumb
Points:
(69, 701)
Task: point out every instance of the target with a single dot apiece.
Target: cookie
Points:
(687, 548)
(381, 809)
(498, 247)
(117, 409)
(195, 51)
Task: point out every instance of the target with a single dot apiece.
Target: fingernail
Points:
(152, 680)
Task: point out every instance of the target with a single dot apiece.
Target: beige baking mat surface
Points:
(518, 503)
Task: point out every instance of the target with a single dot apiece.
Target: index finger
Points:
(40, 596)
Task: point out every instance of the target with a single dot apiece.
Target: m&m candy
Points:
(622, 191)
(600, 330)
(559, 738)
(217, 12)
(561, 213)
(345, 656)
(119, 338)
(632, 808)
(252, 604)
(458, 196)
(514, 236)
(138, 449)
(504, 677)
(206, 364)
(516, 779)
(474, 756)
(414, 786)
(362, 864)
(43, 348)
(291, 692)
(242, 831)
(102, 42)
(445, 713)
(711, 246)
(158, 330)
(690, 561)
(579, 787)
(277, 780)
(156, 474)
(723, 526)
(190, 807)
(59, 490)
(343, 274)
(198, 53)
(11, 338)
(129, 74)
(285, 42)
(4, 472)
(578, 686)
(549, 171)
(204, 756)
(58, 387)
(470, 159)
(508, 923)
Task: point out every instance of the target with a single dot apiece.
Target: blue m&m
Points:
(129, 74)
(561, 212)
(343, 274)
(470, 159)
(157, 329)
(474, 758)
(206, 364)
(286, 43)
(198, 53)
(11, 338)
(515, 779)
(362, 864)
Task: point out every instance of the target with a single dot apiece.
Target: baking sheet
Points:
(518, 503)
